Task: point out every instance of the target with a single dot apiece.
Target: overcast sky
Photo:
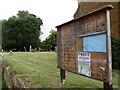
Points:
(52, 12)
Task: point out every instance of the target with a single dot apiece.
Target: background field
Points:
(40, 70)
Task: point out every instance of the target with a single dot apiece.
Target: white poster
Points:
(84, 65)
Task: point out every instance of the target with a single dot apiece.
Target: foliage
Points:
(51, 41)
(21, 31)
(115, 53)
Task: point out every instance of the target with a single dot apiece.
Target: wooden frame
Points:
(70, 44)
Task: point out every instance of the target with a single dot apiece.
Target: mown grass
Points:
(39, 70)
(0, 80)
(0, 73)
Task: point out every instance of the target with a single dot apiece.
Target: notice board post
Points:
(84, 46)
(109, 85)
(62, 75)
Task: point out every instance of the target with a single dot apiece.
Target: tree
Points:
(50, 42)
(21, 31)
(52, 39)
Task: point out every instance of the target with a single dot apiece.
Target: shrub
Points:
(115, 53)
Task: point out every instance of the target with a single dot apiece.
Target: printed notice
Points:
(84, 63)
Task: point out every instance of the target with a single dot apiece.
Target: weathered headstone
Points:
(2, 50)
(39, 49)
(25, 49)
(35, 49)
(56, 49)
(11, 52)
(30, 48)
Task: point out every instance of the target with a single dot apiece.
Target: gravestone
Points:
(30, 49)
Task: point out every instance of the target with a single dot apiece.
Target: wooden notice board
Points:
(84, 45)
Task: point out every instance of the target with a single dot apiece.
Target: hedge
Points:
(115, 53)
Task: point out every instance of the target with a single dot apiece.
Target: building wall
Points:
(86, 7)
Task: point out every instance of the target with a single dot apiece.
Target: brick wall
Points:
(85, 7)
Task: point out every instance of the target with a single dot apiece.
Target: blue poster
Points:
(95, 43)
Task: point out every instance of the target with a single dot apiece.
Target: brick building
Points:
(86, 7)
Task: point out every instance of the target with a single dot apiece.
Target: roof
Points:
(108, 7)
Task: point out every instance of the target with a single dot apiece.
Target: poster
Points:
(84, 65)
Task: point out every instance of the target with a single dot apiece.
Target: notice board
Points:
(84, 45)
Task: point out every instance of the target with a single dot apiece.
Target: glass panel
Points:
(95, 43)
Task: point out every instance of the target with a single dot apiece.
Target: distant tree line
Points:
(21, 31)
(50, 42)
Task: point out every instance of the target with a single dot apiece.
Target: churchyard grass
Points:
(39, 70)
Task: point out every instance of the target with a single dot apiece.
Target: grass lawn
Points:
(0, 73)
(39, 70)
(0, 80)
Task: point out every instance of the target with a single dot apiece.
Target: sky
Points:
(52, 12)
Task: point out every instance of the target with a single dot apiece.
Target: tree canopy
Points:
(21, 31)
(50, 42)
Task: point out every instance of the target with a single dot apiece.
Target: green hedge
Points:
(115, 53)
